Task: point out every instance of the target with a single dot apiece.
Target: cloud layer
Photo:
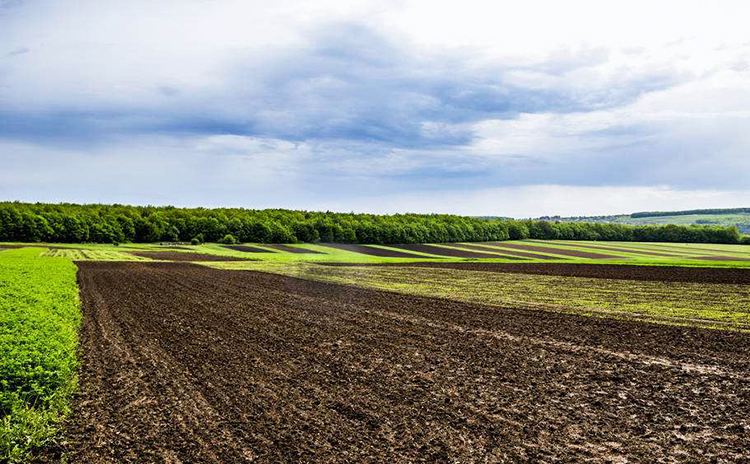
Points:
(332, 105)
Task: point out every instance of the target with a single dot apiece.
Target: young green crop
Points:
(39, 319)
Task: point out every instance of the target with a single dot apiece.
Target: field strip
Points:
(500, 248)
(554, 251)
(416, 253)
(440, 250)
(591, 247)
(689, 249)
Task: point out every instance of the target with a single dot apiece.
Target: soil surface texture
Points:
(372, 251)
(182, 363)
(178, 256)
(607, 271)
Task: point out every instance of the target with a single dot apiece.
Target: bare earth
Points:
(182, 363)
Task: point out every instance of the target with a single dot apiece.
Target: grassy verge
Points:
(39, 318)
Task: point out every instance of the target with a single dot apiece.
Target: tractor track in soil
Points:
(183, 363)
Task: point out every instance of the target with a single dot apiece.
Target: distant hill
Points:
(739, 217)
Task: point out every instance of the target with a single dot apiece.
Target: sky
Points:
(517, 109)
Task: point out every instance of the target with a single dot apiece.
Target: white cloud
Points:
(410, 104)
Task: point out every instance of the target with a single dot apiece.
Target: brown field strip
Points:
(555, 251)
(621, 250)
(604, 271)
(248, 249)
(178, 256)
(182, 363)
(440, 251)
(291, 249)
(510, 253)
(372, 251)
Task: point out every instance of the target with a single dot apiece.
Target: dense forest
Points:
(71, 223)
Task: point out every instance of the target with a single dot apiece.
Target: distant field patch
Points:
(91, 255)
(557, 251)
(178, 256)
(372, 251)
(444, 251)
(490, 247)
(291, 249)
(248, 249)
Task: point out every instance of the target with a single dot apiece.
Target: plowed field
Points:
(181, 363)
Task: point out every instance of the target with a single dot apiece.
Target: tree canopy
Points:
(73, 223)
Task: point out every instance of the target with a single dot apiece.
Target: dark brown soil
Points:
(372, 251)
(178, 256)
(439, 251)
(556, 251)
(182, 363)
(248, 249)
(291, 249)
(606, 271)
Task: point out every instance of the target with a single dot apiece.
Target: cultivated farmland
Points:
(484, 351)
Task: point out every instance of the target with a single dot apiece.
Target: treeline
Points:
(71, 223)
(645, 214)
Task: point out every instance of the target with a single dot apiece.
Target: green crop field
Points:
(39, 318)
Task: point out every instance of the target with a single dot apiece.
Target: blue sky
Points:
(488, 108)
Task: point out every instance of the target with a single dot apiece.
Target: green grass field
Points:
(39, 318)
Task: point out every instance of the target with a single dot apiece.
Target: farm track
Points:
(179, 256)
(182, 363)
(601, 271)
